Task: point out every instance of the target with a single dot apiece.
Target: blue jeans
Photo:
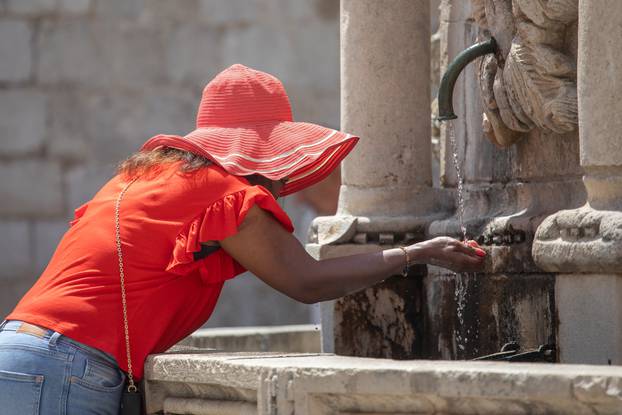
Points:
(45, 373)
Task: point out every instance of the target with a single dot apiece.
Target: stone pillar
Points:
(386, 196)
(385, 98)
(584, 246)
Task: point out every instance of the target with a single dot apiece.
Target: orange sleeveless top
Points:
(169, 293)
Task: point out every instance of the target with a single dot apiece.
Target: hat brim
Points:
(302, 153)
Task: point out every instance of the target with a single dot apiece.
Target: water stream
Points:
(454, 153)
(460, 279)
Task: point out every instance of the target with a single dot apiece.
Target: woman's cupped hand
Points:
(452, 254)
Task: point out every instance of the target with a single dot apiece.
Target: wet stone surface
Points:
(386, 320)
(471, 315)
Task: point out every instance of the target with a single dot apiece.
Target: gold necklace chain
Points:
(130, 374)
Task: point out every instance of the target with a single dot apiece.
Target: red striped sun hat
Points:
(244, 124)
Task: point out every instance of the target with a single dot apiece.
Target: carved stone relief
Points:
(531, 83)
(580, 240)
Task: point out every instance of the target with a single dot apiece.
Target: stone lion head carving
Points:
(531, 83)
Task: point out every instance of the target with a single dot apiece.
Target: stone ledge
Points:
(303, 338)
(324, 383)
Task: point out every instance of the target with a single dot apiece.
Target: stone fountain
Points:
(539, 140)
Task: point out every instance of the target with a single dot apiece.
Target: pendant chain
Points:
(130, 374)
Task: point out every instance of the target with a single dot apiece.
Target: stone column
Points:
(584, 246)
(385, 99)
(386, 195)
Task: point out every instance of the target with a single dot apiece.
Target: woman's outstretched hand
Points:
(266, 249)
(450, 253)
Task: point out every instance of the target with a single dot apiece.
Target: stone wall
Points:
(210, 383)
(83, 83)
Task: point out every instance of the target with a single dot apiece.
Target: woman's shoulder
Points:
(215, 179)
(203, 186)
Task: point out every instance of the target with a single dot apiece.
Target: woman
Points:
(144, 261)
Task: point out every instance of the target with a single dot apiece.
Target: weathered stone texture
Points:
(283, 338)
(472, 315)
(23, 121)
(179, 11)
(31, 188)
(130, 9)
(590, 312)
(15, 50)
(600, 66)
(273, 383)
(272, 307)
(67, 137)
(46, 235)
(194, 53)
(15, 249)
(383, 321)
(30, 7)
(585, 245)
(229, 12)
(83, 182)
(69, 52)
(100, 53)
(118, 123)
(75, 6)
(533, 86)
(12, 290)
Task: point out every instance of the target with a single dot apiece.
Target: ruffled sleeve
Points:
(219, 221)
(78, 213)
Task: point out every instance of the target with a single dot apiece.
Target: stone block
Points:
(11, 291)
(243, 302)
(100, 53)
(304, 338)
(130, 9)
(328, 384)
(22, 121)
(68, 51)
(67, 137)
(180, 10)
(299, 58)
(117, 124)
(31, 7)
(31, 188)
(590, 318)
(46, 235)
(133, 54)
(170, 111)
(285, 10)
(259, 46)
(83, 182)
(384, 113)
(317, 103)
(15, 49)
(335, 229)
(303, 11)
(599, 69)
(15, 250)
(194, 54)
(229, 12)
(75, 6)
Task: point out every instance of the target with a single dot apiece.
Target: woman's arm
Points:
(270, 252)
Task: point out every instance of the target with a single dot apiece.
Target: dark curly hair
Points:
(146, 162)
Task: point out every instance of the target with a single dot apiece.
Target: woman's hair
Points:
(150, 162)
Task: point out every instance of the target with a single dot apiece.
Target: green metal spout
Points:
(446, 89)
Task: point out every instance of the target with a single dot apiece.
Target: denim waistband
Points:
(13, 325)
